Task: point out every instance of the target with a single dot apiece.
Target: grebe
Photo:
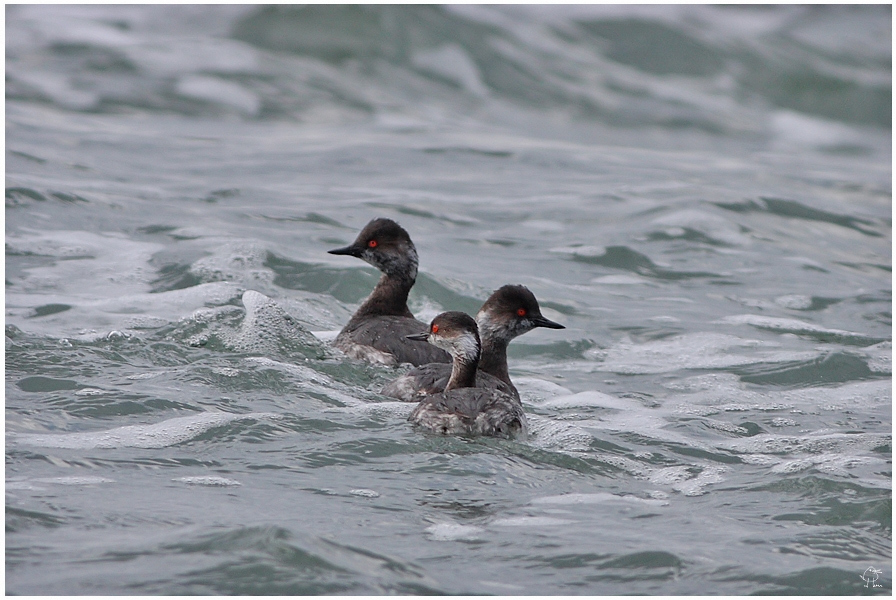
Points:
(509, 312)
(378, 330)
(461, 407)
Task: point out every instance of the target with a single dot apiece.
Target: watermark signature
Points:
(870, 576)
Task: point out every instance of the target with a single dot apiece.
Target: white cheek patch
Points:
(369, 257)
(466, 345)
(463, 345)
(492, 328)
(487, 324)
(439, 342)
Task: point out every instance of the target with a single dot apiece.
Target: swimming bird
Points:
(463, 408)
(378, 330)
(510, 311)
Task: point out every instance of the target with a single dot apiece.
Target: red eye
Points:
(372, 243)
(435, 328)
(521, 312)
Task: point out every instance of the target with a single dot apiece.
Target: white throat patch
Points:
(465, 345)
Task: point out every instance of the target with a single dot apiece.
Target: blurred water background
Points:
(701, 194)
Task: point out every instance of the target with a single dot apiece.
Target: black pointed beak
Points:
(540, 321)
(420, 337)
(347, 251)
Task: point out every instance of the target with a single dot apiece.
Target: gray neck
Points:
(465, 350)
(389, 297)
(463, 374)
(495, 336)
(494, 359)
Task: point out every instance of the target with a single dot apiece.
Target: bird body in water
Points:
(463, 408)
(510, 311)
(378, 330)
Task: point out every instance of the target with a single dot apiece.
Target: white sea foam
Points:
(707, 399)
(83, 257)
(681, 478)
(147, 375)
(267, 327)
(225, 371)
(242, 262)
(789, 326)
(623, 463)
(815, 443)
(19, 484)
(879, 357)
(90, 392)
(71, 480)
(697, 485)
(796, 128)
(621, 280)
(557, 435)
(794, 301)
(530, 522)
(315, 381)
(650, 423)
(597, 498)
(586, 251)
(59, 88)
(208, 480)
(174, 304)
(452, 62)
(448, 532)
(725, 426)
(534, 389)
(759, 459)
(76, 480)
(590, 399)
(711, 225)
(701, 350)
(156, 435)
(93, 317)
(219, 91)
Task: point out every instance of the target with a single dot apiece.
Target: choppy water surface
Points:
(701, 195)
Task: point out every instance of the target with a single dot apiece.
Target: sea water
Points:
(701, 195)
